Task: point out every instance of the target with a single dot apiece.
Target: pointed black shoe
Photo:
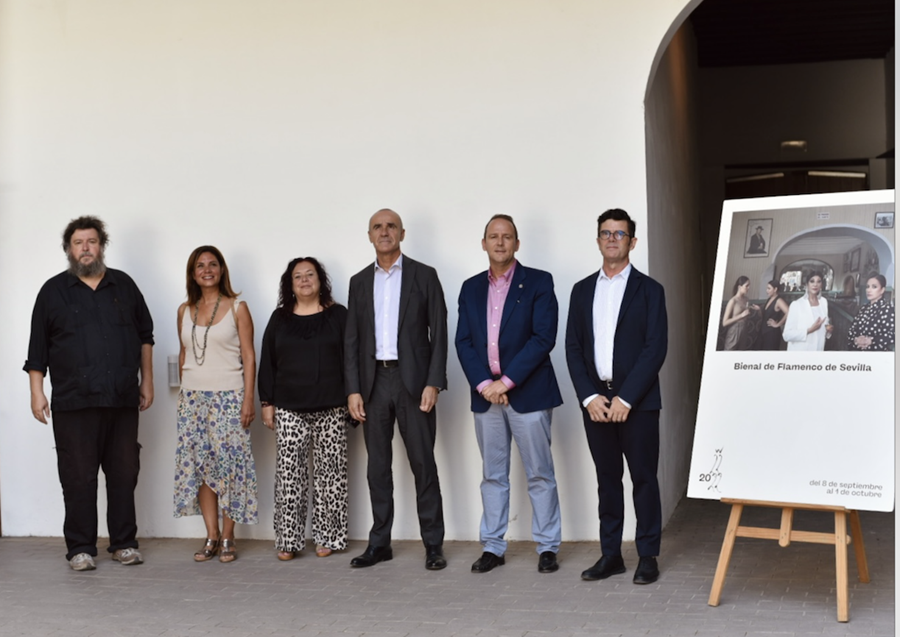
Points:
(487, 561)
(434, 557)
(605, 566)
(547, 562)
(372, 556)
(647, 571)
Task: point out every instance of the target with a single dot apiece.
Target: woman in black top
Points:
(301, 388)
(774, 315)
(873, 328)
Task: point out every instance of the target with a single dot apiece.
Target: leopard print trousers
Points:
(326, 432)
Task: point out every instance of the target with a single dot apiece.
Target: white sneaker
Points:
(82, 562)
(128, 556)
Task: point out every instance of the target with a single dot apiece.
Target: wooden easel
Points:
(786, 534)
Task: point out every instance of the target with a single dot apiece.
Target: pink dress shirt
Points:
(498, 290)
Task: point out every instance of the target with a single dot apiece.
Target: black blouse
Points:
(875, 320)
(302, 363)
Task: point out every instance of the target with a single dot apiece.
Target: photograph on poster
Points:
(811, 288)
(797, 392)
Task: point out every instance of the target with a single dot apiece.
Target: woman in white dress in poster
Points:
(807, 326)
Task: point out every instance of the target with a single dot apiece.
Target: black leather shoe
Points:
(605, 566)
(647, 571)
(487, 561)
(372, 556)
(547, 562)
(434, 557)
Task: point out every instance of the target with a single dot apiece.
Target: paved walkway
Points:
(770, 591)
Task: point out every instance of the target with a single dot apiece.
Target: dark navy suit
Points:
(639, 349)
(528, 328)
(527, 336)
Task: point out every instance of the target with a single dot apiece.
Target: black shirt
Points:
(90, 340)
(301, 367)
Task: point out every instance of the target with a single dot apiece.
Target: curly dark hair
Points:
(286, 287)
(87, 222)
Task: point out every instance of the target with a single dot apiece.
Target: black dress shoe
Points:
(605, 566)
(487, 561)
(372, 556)
(647, 571)
(434, 557)
(547, 562)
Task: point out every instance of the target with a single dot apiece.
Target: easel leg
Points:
(859, 547)
(787, 525)
(734, 521)
(840, 555)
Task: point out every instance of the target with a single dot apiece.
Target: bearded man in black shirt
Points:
(92, 329)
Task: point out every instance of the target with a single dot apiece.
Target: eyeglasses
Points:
(606, 235)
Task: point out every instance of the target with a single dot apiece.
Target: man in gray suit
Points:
(395, 363)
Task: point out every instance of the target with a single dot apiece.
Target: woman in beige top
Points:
(214, 466)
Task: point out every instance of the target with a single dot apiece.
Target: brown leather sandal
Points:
(227, 552)
(285, 556)
(208, 551)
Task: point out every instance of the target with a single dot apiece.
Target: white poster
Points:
(797, 395)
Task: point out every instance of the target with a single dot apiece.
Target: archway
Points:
(884, 251)
(687, 110)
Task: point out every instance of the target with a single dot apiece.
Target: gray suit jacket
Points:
(422, 332)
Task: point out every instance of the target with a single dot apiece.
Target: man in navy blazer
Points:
(616, 339)
(395, 363)
(507, 327)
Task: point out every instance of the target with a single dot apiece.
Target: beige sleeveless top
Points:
(222, 370)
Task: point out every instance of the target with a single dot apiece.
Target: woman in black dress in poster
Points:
(873, 328)
(774, 315)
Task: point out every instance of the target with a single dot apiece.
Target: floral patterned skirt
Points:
(214, 449)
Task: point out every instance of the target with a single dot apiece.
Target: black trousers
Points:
(391, 401)
(637, 440)
(87, 440)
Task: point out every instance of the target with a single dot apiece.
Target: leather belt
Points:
(394, 363)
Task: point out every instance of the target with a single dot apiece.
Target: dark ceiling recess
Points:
(757, 32)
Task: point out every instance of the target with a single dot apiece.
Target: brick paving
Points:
(770, 591)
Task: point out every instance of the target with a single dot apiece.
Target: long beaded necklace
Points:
(194, 344)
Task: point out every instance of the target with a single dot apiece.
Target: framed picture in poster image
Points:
(759, 234)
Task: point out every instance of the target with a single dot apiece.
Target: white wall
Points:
(274, 129)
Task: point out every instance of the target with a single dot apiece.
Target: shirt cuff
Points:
(506, 380)
(480, 386)
(624, 402)
(587, 401)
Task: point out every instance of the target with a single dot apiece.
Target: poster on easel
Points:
(797, 393)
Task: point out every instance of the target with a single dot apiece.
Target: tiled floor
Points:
(770, 591)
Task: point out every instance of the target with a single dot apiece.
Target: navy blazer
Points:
(421, 334)
(527, 336)
(639, 347)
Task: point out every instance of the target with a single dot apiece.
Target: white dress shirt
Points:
(387, 309)
(608, 295)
